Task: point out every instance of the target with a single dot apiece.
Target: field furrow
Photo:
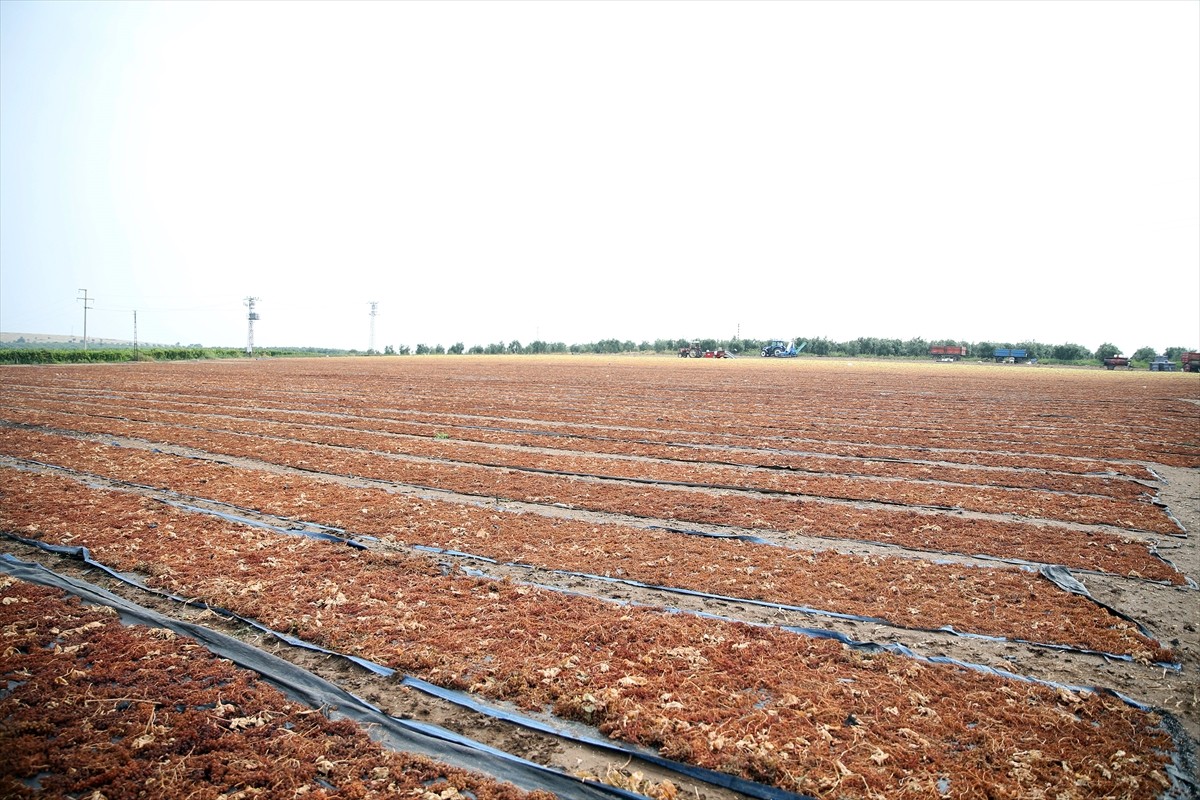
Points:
(851, 581)
(700, 690)
(1094, 550)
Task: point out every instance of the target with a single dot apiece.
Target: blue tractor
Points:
(778, 348)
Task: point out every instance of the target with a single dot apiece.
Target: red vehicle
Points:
(947, 352)
(1190, 361)
(1113, 362)
(696, 351)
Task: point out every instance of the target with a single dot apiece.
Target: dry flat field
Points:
(711, 578)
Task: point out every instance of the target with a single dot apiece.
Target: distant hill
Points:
(51, 339)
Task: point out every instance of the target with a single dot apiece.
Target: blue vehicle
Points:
(778, 348)
(1005, 353)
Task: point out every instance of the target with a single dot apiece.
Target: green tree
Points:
(819, 345)
(456, 349)
(1144, 354)
(1106, 350)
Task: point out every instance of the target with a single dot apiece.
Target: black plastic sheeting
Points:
(691, 532)
(1063, 579)
(331, 533)
(1184, 763)
(1058, 575)
(462, 699)
(1182, 769)
(308, 689)
(1031, 565)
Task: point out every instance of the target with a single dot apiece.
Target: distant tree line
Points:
(871, 347)
(65, 355)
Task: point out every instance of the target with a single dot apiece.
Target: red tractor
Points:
(696, 351)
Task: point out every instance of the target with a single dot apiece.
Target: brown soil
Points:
(1046, 423)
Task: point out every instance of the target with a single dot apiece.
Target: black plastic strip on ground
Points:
(84, 554)
(310, 690)
(743, 537)
(841, 615)
(1183, 766)
(735, 464)
(1032, 565)
(462, 699)
(1183, 757)
(780, 450)
(1056, 574)
(798, 496)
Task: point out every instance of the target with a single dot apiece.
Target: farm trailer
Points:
(1190, 362)
(1004, 354)
(947, 352)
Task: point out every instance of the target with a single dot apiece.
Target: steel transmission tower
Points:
(371, 345)
(251, 317)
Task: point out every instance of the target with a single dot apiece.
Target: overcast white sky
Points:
(574, 171)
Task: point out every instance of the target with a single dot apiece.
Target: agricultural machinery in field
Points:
(947, 352)
(1010, 355)
(1112, 362)
(1190, 362)
(694, 350)
(777, 348)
